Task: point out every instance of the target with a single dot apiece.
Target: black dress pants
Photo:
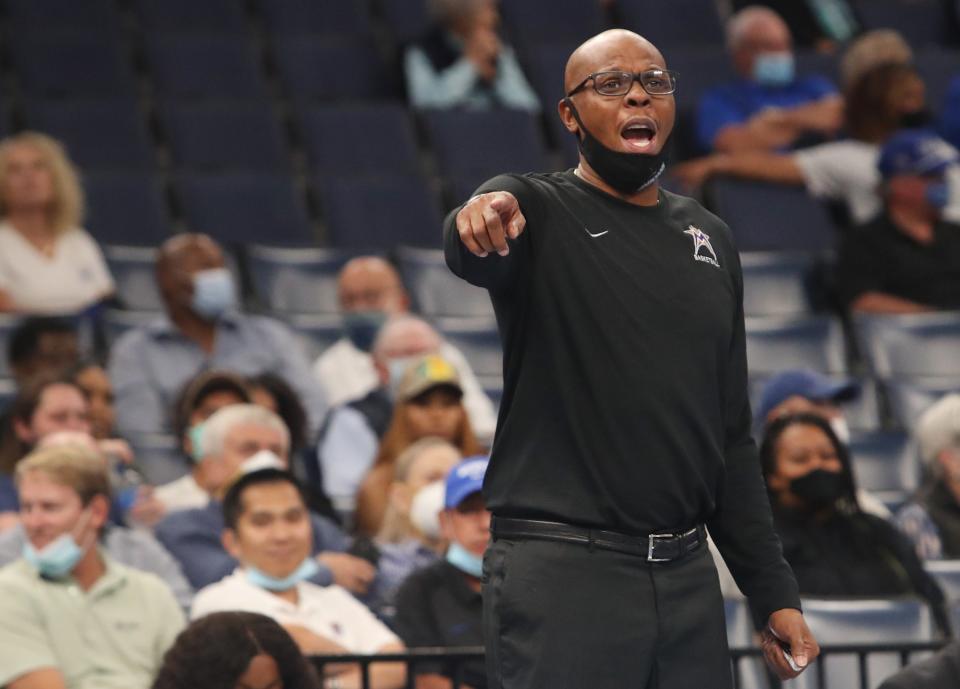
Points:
(560, 615)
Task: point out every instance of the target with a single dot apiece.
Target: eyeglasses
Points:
(656, 82)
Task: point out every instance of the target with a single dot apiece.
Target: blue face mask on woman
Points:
(464, 560)
(306, 570)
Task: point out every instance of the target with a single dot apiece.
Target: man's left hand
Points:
(788, 627)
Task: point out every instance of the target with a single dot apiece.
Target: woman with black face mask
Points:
(834, 548)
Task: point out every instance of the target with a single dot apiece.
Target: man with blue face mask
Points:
(202, 329)
(907, 259)
(440, 605)
(70, 616)
(267, 529)
(768, 107)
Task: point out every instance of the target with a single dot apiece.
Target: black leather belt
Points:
(655, 547)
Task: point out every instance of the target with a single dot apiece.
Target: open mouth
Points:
(639, 134)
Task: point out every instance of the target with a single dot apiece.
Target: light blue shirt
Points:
(346, 453)
(150, 365)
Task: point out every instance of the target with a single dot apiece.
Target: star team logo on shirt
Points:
(701, 240)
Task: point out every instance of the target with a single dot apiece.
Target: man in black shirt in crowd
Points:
(624, 427)
(907, 259)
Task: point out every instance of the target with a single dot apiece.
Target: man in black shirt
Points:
(624, 426)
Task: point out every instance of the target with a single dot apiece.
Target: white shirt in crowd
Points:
(182, 494)
(70, 280)
(328, 611)
(347, 373)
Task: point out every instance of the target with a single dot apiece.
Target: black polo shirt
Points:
(436, 607)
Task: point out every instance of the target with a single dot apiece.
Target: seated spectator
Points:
(812, 26)
(907, 259)
(940, 671)
(428, 404)
(65, 582)
(408, 542)
(370, 292)
(202, 329)
(42, 345)
(461, 62)
(91, 377)
(932, 518)
(833, 547)
(769, 107)
(200, 399)
(440, 606)
(48, 264)
(235, 650)
(236, 439)
(267, 529)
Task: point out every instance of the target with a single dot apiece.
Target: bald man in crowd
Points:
(768, 107)
(625, 427)
(202, 328)
(370, 291)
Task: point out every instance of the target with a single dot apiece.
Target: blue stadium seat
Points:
(225, 136)
(360, 139)
(132, 268)
(470, 146)
(912, 346)
(947, 574)
(920, 23)
(683, 22)
(479, 341)
(238, 208)
(436, 292)
(126, 208)
(406, 20)
(99, 134)
(380, 212)
(296, 280)
(886, 464)
(209, 16)
(317, 330)
(772, 217)
(197, 66)
(545, 65)
(545, 21)
(813, 63)
(71, 65)
(8, 324)
(909, 398)
(775, 344)
(344, 69)
(47, 15)
(938, 67)
(326, 18)
(777, 283)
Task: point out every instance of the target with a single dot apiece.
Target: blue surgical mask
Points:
(361, 327)
(464, 560)
(306, 570)
(213, 293)
(773, 69)
(196, 442)
(938, 195)
(56, 559)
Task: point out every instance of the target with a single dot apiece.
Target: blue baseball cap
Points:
(805, 383)
(464, 480)
(915, 152)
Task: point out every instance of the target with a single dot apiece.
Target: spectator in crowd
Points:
(235, 650)
(64, 582)
(833, 546)
(267, 529)
(235, 440)
(817, 24)
(370, 293)
(43, 345)
(769, 107)
(461, 61)
(805, 390)
(48, 264)
(410, 537)
(92, 378)
(932, 518)
(869, 51)
(940, 671)
(428, 404)
(440, 606)
(202, 329)
(907, 259)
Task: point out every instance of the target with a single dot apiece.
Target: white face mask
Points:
(265, 459)
(841, 429)
(425, 509)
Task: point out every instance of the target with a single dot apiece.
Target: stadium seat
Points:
(686, 22)
(225, 136)
(909, 398)
(126, 208)
(947, 574)
(436, 292)
(812, 63)
(47, 15)
(479, 341)
(159, 457)
(920, 23)
(243, 207)
(296, 280)
(911, 346)
(367, 213)
(8, 393)
(360, 139)
(938, 67)
(346, 69)
(544, 63)
(99, 134)
(529, 22)
(328, 18)
(195, 66)
(835, 621)
(777, 283)
(116, 322)
(776, 344)
(8, 324)
(406, 20)
(886, 464)
(317, 330)
(209, 16)
(132, 268)
(771, 217)
(87, 64)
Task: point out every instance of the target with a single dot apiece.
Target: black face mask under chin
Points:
(628, 173)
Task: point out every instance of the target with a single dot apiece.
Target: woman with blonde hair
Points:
(48, 263)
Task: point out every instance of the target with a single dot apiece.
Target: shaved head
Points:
(595, 53)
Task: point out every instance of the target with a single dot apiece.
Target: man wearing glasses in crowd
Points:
(625, 429)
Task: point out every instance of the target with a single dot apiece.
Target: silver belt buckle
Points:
(651, 541)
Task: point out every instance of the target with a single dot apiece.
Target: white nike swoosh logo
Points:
(598, 234)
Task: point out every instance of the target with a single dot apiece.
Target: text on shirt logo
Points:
(701, 240)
